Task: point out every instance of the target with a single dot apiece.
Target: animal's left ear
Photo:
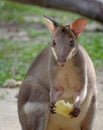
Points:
(78, 25)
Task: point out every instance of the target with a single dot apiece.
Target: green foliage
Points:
(19, 53)
(18, 12)
(93, 43)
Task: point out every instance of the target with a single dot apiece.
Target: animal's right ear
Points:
(52, 25)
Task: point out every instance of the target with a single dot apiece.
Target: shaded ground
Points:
(8, 110)
(8, 107)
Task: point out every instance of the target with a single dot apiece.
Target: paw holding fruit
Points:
(64, 109)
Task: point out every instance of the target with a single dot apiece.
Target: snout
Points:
(61, 60)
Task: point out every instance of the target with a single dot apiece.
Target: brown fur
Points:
(64, 74)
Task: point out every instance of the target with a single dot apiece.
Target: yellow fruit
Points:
(63, 108)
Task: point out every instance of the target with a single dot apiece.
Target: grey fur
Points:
(41, 85)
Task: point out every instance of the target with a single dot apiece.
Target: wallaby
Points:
(63, 70)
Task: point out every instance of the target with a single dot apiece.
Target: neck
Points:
(78, 57)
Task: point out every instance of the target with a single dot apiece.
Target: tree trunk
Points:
(90, 8)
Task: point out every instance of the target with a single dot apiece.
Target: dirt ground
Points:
(8, 107)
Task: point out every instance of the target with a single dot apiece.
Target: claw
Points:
(52, 108)
(52, 105)
(75, 112)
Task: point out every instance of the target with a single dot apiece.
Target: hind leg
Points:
(34, 119)
(33, 108)
(89, 119)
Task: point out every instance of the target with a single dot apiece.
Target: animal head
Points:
(64, 42)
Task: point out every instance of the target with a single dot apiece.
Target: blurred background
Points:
(23, 34)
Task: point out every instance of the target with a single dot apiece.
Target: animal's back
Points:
(34, 91)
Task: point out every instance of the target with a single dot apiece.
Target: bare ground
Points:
(8, 107)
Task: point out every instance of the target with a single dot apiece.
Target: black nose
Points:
(61, 59)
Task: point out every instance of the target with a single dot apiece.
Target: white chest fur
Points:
(58, 122)
(68, 78)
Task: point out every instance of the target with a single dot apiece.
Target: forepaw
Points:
(75, 112)
(52, 108)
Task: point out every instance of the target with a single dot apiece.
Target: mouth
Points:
(61, 64)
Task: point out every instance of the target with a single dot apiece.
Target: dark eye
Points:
(72, 43)
(54, 44)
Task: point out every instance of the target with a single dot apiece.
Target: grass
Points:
(18, 53)
(93, 43)
(19, 12)
(17, 56)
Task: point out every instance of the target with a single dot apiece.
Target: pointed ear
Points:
(50, 23)
(78, 25)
